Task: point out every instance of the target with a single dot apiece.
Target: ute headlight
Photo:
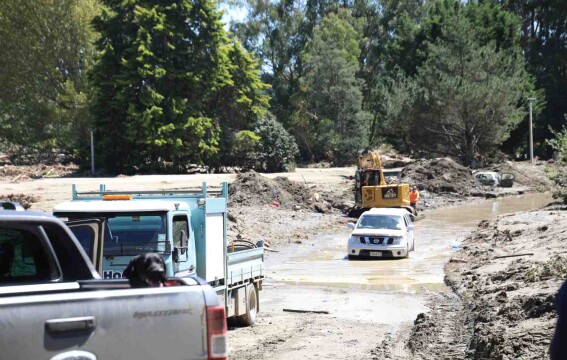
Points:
(397, 240)
(354, 238)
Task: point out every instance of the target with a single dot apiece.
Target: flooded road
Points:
(369, 303)
(437, 238)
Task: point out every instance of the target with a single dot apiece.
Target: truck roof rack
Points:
(203, 192)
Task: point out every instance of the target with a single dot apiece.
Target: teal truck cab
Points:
(187, 227)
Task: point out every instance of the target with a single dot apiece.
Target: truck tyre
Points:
(249, 317)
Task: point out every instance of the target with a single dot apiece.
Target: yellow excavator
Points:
(371, 188)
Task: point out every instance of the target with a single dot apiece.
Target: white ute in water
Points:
(381, 233)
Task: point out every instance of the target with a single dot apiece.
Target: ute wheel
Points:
(249, 317)
(407, 252)
(352, 257)
(413, 246)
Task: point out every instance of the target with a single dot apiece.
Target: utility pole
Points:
(530, 101)
(92, 153)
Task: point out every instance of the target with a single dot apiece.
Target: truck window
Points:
(179, 224)
(22, 257)
(86, 236)
(132, 234)
(72, 263)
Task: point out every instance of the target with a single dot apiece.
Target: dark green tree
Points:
(332, 120)
(162, 67)
(273, 30)
(468, 93)
(404, 49)
(543, 37)
(239, 105)
(46, 51)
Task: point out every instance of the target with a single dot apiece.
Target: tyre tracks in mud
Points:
(279, 335)
(441, 333)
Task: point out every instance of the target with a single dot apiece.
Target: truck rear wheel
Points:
(249, 317)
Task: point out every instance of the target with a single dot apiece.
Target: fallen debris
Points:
(251, 189)
(503, 308)
(306, 311)
(513, 255)
(457, 260)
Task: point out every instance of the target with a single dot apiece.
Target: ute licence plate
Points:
(375, 253)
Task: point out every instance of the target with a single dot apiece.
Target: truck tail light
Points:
(216, 333)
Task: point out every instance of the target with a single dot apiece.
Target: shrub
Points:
(559, 145)
(559, 175)
(277, 148)
(246, 150)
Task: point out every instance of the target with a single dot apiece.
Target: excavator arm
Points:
(371, 189)
(370, 162)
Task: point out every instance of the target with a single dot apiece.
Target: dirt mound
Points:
(251, 188)
(25, 200)
(442, 175)
(395, 160)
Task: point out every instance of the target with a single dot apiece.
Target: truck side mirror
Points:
(184, 241)
(350, 226)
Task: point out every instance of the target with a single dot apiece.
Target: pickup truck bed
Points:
(113, 324)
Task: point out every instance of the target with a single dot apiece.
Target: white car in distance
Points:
(381, 233)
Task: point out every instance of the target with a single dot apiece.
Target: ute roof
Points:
(18, 215)
(386, 211)
(99, 206)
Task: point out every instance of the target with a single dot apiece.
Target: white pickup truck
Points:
(54, 305)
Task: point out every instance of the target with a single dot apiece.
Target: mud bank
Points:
(503, 306)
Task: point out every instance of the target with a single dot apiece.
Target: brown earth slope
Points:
(506, 289)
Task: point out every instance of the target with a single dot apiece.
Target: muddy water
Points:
(437, 238)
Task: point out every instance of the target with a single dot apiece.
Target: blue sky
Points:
(232, 13)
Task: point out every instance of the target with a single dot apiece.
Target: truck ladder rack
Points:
(145, 194)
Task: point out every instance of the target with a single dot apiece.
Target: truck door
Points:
(183, 254)
(90, 234)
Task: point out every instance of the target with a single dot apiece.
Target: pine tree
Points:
(161, 64)
(468, 94)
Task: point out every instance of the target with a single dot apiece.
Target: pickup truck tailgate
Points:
(110, 324)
